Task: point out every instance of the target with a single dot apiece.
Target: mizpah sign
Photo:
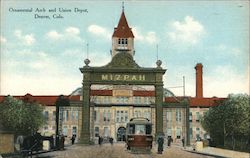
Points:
(122, 77)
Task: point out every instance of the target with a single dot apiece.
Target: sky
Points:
(42, 56)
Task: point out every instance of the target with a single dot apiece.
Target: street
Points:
(118, 150)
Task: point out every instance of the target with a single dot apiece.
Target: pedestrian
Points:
(73, 139)
(170, 140)
(160, 144)
(100, 140)
(183, 141)
(62, 142)
(111, 140)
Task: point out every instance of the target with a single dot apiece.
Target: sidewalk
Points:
(220, 152)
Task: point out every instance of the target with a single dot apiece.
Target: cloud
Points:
(137, 33)
(224, 49)
(31, 54)
(99, 31)
(73, 53)
(189, 31)
(225, 80)
(51, 84)
(69, 33)
(30, 74)
(3, 40)
(54, 35)
(72, 30)
(149, 37)
(27, 61)
(99, 58)
(27, 39)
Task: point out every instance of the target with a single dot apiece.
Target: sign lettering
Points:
(122, 77)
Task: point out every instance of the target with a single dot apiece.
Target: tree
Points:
(229, 123)
(21, 117)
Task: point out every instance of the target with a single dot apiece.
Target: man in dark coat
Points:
(170, 140)
(73, 139)
(62, 142)
(160, 144)
(100, 140)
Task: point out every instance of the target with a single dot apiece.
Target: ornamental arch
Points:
(122, 70)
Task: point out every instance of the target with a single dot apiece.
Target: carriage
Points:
(139, 135)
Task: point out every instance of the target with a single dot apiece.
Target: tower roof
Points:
(123, 30)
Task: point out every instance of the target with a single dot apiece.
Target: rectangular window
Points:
(135, 113)
(125, 99)
(190, 117)
(74, 130)
(106, 99)
(137, 100)
(140, 129)
(117, 116)
(178, 115)
(106, 131)
(104, 116)
(169, 116)
(197, 116)
(76, 115)
(66, 116)
(169, 131)
(96, 131)
(147, 114)
(65, 130)
(54, 116)
(197, 133)
(147, 100)
(122, 116)
(191, 132)
(72, 115)
(126, 116)
(46, 115)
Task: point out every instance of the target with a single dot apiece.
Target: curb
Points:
(206, 154)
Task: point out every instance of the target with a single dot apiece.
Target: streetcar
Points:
(139, 135)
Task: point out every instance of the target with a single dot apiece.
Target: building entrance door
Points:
(121, 132)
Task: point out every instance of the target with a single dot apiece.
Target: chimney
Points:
(199, 84)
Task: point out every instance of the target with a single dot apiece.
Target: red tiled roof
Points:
(44, 100)
(101, 93)
(144, 93)
(205, 102)
(74, 98)
(123, 30)
(173, 99)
